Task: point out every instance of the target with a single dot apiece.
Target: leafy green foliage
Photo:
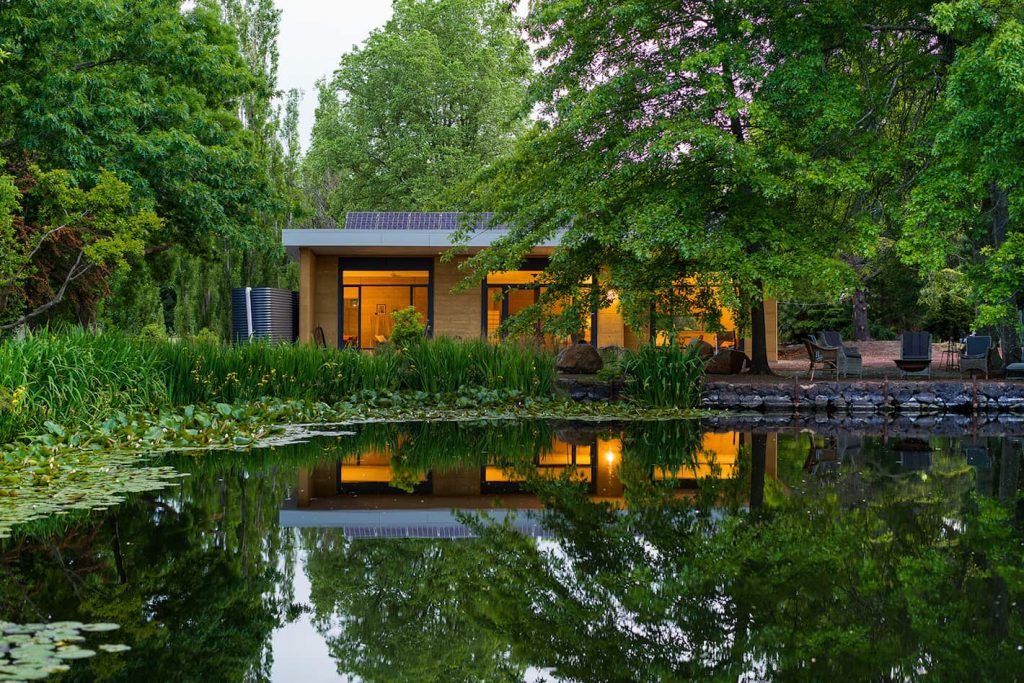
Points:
(176, 104)
(408, 328)
(947, 300)
(422, 104)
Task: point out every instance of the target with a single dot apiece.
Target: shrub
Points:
(206, 336)
(408, 328)
(664, 376)
(153, 332)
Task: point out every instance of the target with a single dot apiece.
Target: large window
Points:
(373, 289)
(508, 294)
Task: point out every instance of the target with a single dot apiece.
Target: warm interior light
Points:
(609, 456)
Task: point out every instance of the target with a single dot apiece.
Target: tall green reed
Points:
(445, 365)
(664, 376)
(73, 377)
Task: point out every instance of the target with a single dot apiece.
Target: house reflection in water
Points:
(372, 493)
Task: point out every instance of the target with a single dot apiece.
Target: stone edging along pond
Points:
(866, 397)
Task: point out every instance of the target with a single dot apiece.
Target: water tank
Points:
(264, 313)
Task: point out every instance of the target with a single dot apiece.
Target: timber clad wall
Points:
(455, 315)
(326, 315)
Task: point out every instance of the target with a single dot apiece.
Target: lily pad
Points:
(114, 647)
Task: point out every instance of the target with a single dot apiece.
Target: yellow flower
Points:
(18, 395)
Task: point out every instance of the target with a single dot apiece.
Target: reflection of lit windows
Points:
(562, 458)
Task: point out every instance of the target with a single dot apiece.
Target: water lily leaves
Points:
(54, 428)
(224, 409)
(114, 647)
(31, 652)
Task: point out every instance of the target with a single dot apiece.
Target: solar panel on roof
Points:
(409, 220)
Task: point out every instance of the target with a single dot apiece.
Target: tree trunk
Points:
(758, 337)
(1008, 335)
(860, 316)
(758, 457)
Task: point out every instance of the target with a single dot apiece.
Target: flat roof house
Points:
(352, 279)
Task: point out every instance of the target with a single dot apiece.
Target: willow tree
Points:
(694, 153)
(422, 104)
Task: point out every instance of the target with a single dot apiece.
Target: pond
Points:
(538, 550)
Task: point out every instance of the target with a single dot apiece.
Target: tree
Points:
(422, 104)
(672, 155)
(964, 210)
(77, 233)
(142, 92)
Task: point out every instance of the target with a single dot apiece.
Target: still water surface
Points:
(511, 551)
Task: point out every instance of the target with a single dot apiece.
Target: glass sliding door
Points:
(373, 289)
(510, 293)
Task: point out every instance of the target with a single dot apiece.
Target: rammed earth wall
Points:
(867, 397)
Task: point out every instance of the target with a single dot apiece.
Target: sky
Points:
(314, 35)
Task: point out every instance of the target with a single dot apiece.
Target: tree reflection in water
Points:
(902, 576)
(807, 558)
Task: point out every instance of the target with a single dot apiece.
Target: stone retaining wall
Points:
(866, 397)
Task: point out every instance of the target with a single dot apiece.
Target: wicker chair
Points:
(822, 356)
(975, 355)
(850, 361)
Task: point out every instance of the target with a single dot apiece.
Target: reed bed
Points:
(445, 365)
(76, 378)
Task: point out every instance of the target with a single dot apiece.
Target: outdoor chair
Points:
(975, 355)
(821, 356)
(915, 354)
(318, 337)
(850, 361)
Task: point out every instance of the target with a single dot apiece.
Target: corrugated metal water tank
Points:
(274, 314)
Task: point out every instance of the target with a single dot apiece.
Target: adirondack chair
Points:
(975, 355)
(850, 361)
(915, 354)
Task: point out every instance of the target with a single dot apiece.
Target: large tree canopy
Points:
(735, 147)
(423, 103)
(163, 99)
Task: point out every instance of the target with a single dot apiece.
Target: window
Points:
(373, 289)
(509, 293)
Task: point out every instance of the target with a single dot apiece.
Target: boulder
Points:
(579, 359)
(726, 362)
(704, 350)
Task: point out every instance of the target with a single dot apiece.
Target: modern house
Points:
(352, 279)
